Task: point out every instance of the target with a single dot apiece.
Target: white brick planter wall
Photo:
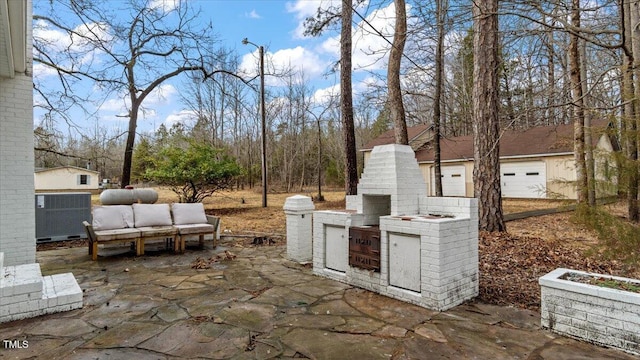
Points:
(604, 316)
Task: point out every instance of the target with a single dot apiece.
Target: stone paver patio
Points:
(260, 306)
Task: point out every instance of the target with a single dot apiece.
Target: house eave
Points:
(13, 38)
(510, 157)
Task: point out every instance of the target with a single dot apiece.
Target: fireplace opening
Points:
(374, 206)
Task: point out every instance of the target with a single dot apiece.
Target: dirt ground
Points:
(510, 263)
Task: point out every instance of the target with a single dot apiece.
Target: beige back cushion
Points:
(184, 214)
(151, 215)
(112, 217)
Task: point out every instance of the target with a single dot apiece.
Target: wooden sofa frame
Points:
(133, 235)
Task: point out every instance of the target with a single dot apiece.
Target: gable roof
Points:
(69, 167)
(541, 140)
(414, 134)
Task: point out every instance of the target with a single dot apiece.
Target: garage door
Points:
(452, 180)
(524, 180)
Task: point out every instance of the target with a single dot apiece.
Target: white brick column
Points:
(298, 210)
(17, 194)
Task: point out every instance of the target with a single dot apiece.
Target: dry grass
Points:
(241, 211)
(511, 206)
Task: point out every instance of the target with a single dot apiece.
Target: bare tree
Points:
(486, 123)
(314, 27)
(136, 56)
(578, 107)
(396, 106)
(346, 101)
(441, 11)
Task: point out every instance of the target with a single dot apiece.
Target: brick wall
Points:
(17, 211)
(603, 316)
(446, 264)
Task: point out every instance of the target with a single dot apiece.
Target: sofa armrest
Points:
(215, 221)
(91, 235)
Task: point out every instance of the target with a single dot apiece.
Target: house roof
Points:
(66, 167)
(542, 140)
(388, 137)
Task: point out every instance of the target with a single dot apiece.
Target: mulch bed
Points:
(62, 244)
(510, 267)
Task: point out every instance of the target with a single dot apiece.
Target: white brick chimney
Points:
(391, 183)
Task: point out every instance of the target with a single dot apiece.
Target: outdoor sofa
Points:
(139, 223)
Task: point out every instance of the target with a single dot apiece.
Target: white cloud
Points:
(116, 105)
(61, 46)
(367, 83)
(58, 40)
(370, 50)
(42, 71)
(253, 15)
(303, 9)
(297, 59)
(186, 117)
(326, 95)
(163, 95)
(164, 5)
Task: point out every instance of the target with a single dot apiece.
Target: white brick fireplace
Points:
(423, 250)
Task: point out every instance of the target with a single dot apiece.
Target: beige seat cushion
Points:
(194, 229)
(117, 234)
(157, 231)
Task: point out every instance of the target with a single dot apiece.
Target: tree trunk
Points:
(632, 121)
(486, 125)
(346, 102)
(588, 138)
(440, 13)
(578, 108)
(396, 105)
(131, 139)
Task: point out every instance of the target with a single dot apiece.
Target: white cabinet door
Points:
(336, 248)
(404, 261)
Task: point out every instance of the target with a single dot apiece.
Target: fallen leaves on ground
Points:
(200, 263)
(510, 266)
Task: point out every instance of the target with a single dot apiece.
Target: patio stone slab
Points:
(284, 297)
(171, 313)
(250, 316)
(386, 309)
(320, 344)
(360, 325)
(62, 328)
(263, 306)
(192, 339)
(312, 321)
(334, 307)
(127, 334)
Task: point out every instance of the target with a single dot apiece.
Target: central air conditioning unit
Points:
(59, 216)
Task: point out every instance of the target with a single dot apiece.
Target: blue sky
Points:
(277, 25)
